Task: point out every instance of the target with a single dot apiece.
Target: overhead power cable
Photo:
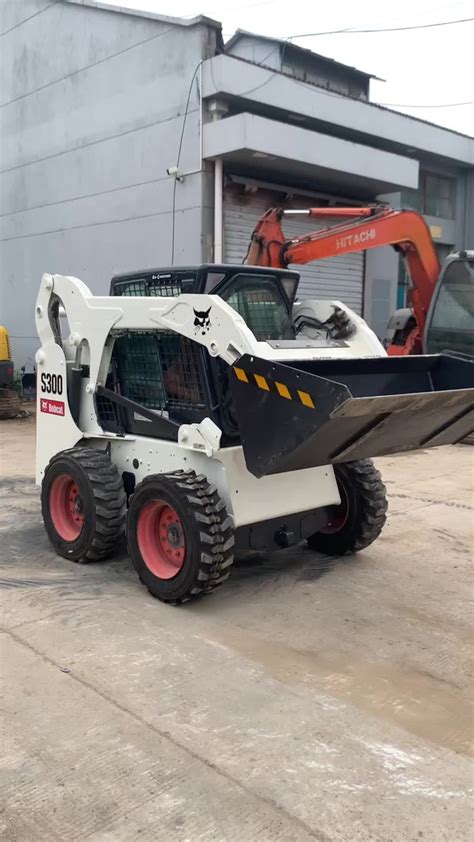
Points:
(178, 157)
(86, 67)
(381, 29)
(348, 31)
(271, 76)
(25, 20)
(414, 105)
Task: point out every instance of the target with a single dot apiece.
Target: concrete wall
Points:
(94, 115)
(381, 280)
(458, 233)
(319, 155)
(468, 232)
(92, 111)
(261, 52)
(380, 290)
(374, 125)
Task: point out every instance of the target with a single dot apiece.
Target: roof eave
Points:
(141, 13)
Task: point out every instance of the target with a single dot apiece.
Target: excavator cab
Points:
(450, 321)
(446, 293)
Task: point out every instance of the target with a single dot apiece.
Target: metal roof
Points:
(239, 33)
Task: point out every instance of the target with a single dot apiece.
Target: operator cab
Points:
(450, 320)
(171, 375)
(263, 297)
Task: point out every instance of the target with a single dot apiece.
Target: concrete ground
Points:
(308, 699)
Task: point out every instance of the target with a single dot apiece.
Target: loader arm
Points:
(359, 229)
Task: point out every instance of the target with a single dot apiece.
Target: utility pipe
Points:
(218, 208)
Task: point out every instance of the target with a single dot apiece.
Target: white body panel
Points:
(53, 432)
(363, 342)
(247, 498)
(93, 320)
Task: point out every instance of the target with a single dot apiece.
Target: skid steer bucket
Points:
(316, 412)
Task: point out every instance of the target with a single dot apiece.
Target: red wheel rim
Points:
(66, 507)
(160, 538)
(338, 515)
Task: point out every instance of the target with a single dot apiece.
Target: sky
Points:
(423, 67)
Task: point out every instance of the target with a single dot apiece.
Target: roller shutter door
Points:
(341, 278)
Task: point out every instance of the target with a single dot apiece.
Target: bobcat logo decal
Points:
(202, 321)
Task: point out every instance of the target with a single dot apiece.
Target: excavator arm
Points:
(359, 229)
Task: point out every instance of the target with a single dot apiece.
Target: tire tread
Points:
(109, 499)
(214, 527)
(366, 481)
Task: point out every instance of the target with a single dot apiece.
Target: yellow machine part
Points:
(5, 353)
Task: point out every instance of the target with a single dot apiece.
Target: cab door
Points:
(450, 321)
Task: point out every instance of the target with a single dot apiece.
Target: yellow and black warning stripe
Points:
(269, 385)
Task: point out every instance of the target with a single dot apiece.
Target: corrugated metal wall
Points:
(338, 277)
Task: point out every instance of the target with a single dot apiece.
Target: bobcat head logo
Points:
(202, 321)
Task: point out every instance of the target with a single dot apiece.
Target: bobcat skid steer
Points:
(200, 410)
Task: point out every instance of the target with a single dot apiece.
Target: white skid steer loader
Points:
(201, 410)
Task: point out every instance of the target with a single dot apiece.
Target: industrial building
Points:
(133, 140)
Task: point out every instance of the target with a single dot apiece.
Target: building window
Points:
(439, 195)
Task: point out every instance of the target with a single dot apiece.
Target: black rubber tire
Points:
(103, 499)
(366, 510)
(207, 528)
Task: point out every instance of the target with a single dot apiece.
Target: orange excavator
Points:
(360, 228)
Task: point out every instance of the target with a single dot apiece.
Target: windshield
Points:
(262, 305)
(452, 319)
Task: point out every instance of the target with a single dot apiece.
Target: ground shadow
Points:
(299, 563)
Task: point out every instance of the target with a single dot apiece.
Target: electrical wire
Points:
(250, 90)
(283, 41)
(353, 31)
(242, 94)
(322, 92)
(178, 158)
(82, 146)
(413, 105)
(382, 29)
(257, 64)
(25, 20)
(90, 225)
(233, 8)
(85, 196)
(87, 67)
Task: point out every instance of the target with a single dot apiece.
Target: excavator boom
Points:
(357, 229)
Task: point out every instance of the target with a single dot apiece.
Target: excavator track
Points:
(10, 404)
